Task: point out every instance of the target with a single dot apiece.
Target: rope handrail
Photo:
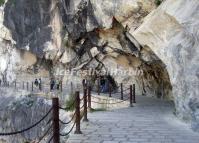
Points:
(65, 108)
(82, 99)
(66, 134)
(65, 123)
(97, 97)
(126, 89)
(47, 131)
(107, 99)
(117, 92)
(82, 107)
(50, 139)
(26, 129)
(127, 94)
(50, 120)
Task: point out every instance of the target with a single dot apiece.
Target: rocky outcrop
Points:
(65, 33)
(171, 32)
(34, 25)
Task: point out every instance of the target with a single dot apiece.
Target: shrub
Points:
(70, 103)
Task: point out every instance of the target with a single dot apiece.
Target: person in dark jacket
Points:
(58, 83)
(36, 82)
(52, 84)
(39, 82)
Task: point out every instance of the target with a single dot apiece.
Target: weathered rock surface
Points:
(82, 34)
(172, 32)
(65, 32)
(19, 111)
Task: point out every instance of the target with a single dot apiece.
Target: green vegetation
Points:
(2, 2)
(70, 103)
(158, 2)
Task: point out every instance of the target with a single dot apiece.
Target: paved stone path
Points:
(150, 121)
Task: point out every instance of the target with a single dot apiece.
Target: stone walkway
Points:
(150, 121)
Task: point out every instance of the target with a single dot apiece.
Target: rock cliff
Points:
(171, 32)
(157, 45)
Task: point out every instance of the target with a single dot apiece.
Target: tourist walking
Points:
(39, 83)
(52, 84)
(36, 82)
(58, 84)
(84, 83)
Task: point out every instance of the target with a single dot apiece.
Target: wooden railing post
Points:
(40, 86)
(55, 107)
(78, 116)
(85, 105)
(15, 84)
(134, 101)
(23, 84)
(27, 85)
(98, 86)
(71, 86)
(61, 86)
(83, 83)
(32, 86)
(131, 97)
(110, 89)
(121, 86)
(89, 98)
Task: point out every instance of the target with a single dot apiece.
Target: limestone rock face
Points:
(172, 32)
(33, 24)
(83, 34)
(57, 31)
(159, 51)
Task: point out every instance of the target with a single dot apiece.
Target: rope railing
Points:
(108, 102)
(66, 123)
(31, 86)
(98, 98)
(28, 128)
(81, 107)
(45, 134)
(51, 138)
(82, 99)
(66, 134)
(49, 121)
(125, 94)
(67, 107)
(126, 89)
